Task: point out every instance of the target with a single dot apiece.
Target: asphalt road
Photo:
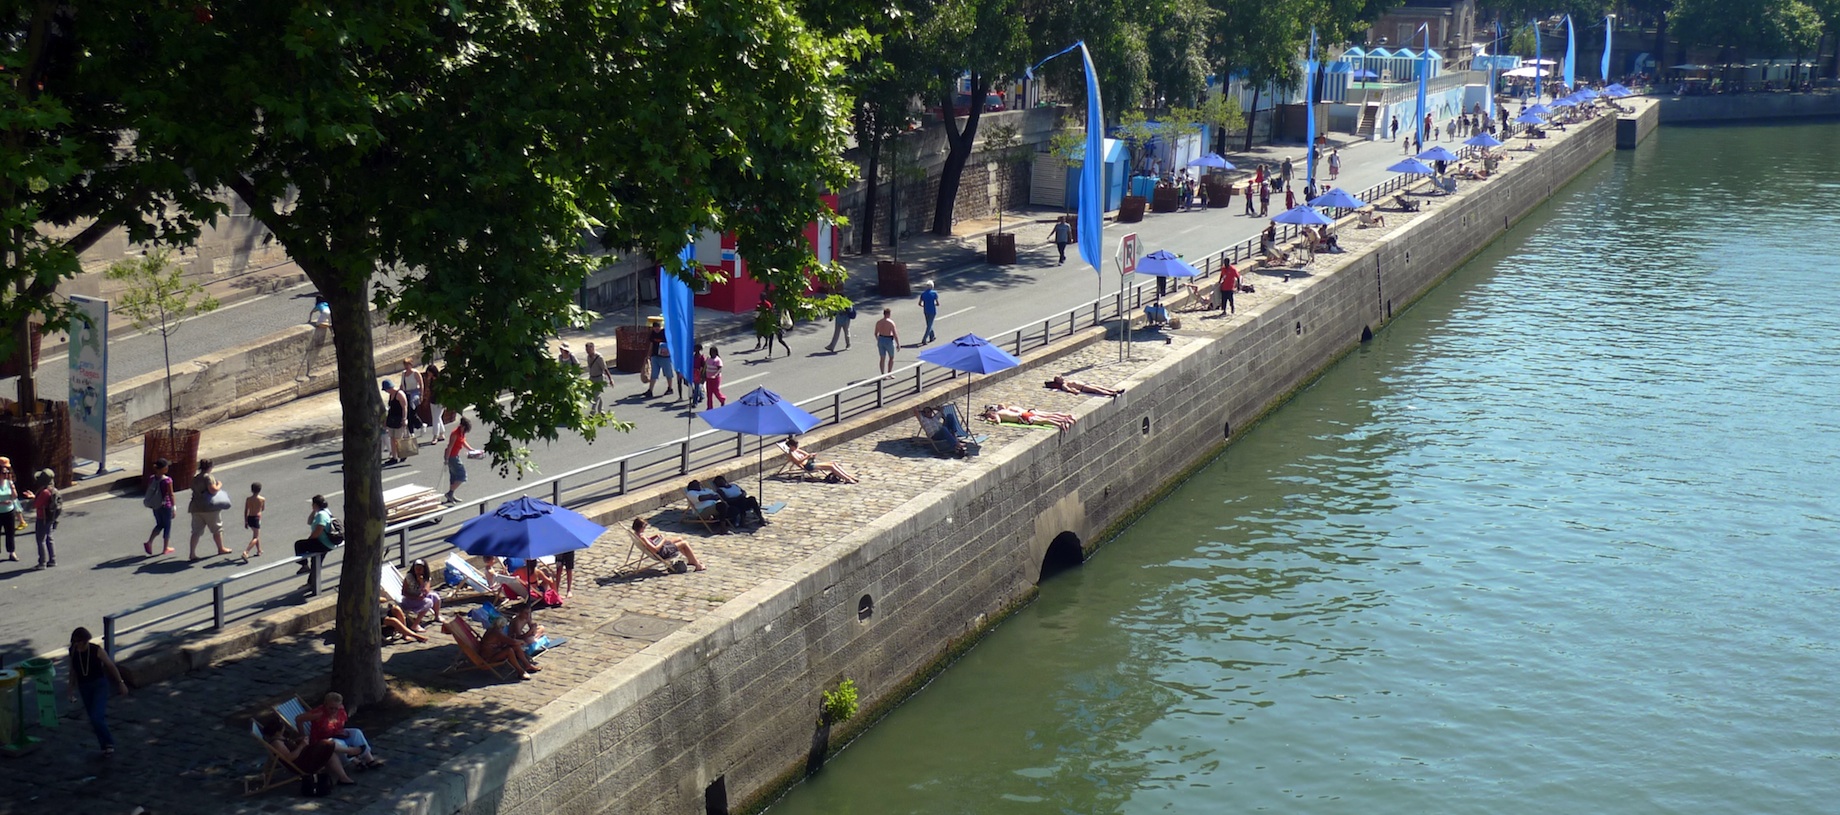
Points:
(102, 568)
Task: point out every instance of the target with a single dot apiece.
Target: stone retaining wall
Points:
(1727, 107)
(730, 702)
(1632, 129)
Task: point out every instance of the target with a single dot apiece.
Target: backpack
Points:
(849, 312)
(155, 497)
(55, 509)
(317, 785)
(336, 533)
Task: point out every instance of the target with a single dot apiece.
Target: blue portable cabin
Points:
(1117, 168)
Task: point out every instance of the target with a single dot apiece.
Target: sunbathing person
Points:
(391, 617)
(309, 755)
(496, 645)
(706, 504)
(1368, 217)
(831, 469)
(1399, 200)
(1017, 415)
(1060, 383)
(519, 626)
(664, 548)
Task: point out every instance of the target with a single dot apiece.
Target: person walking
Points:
(715, 378)
(396, 422)
(1287, 169)
(205, 510)
(253, 507)
(840, 327)
(92, 675)
(48, 507)
(10, 506)
(1290, 198)
(431, 401)
(597, 374)
(159, 498)
(1251, 196)
(1061, 234)
(1229, 283)
(660, 353)
(699, 373)
(929, 306)
(887, 338)
(1264, 198)
(411, 385)
(1335, 165)
(1395, 130)
(781, 322)
(456, 469)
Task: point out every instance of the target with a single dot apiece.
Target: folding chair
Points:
(290, 712)
(933, 432)
(390, 581)
(470, 575)
(513, 588)
(278, 771)
(793, 467)
(639, 557)
(712, 519)
(468, 643)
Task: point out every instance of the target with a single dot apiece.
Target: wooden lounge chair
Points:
(640, 558)
(278, 771)
(470, 658)
(470, 575)
(712, 518)
(933, 433)
(290, 712)
(792, 466)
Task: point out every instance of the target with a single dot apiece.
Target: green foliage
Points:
(1221, 111)
(1069, 142)
(1524, 41)
(1750, 28)
(1135, 131)
(1176, 43)
(1003, 147)
(840, 704)
(157, 297)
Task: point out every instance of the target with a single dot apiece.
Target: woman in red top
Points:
(456, 471)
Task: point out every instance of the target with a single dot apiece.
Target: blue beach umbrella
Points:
(1337, 197)
(1437, 154)
(526, 528)
(1303, 216)
(1212, 160)
(1529, 118)
(975, 355)
(761, 413)
(1565, 102)
(1482, 140)
(1617, 91)
(1160, 263)
(1413, 166)
(1587, 94)
(1540, 109)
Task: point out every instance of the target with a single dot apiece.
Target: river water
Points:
(1561, 539)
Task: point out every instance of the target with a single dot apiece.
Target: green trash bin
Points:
(42, 673)
(13, 738)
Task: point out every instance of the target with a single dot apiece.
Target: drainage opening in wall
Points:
(1146, 425)
(1226, 430)
(1367, 333)
(1389, 309)
(715, 797)
(865, 608)
(1299, 328)
(1064, 553)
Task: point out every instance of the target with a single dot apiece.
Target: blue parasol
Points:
(1437, 154)
(1529, 118)
(1160, 263)
(1413, 166)
(1337, 197)
(1482, 140)
(1303, 216)
(1212, 160)
(761, 413)
(973, 355)
(526, 528)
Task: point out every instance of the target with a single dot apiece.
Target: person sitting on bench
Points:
(1061, 383)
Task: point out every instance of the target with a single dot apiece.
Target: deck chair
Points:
(791, 467)
(948, 413)
(470, 658)
(390, 582)
(470, 575)
(290, 712)
(513, 588)
(278, 771)
(712, 519)
(640, 558)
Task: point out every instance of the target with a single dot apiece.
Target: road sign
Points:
(1127, 254)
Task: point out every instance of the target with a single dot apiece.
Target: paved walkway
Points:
(184, 742)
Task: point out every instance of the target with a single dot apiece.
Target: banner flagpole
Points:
(1571, 55)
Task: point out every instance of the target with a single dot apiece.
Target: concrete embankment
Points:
(1736, 107)
(723, 711)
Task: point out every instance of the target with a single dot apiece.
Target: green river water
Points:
(1561, 539)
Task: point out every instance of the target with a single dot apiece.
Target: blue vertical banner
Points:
(1424, 76)
(1494, 54)
(89, 379)
(1571, 56)
(678, 306)
(1091, 232)
(1609, 34)
(1538, 82)
(1092, 173)
(1309, 114)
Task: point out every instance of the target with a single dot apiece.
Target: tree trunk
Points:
(1660, 48)
(22, 351)
(952, 173)
(357, 654)
(1252, 116)
(871, 185)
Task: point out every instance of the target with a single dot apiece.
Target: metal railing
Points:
(209, 607)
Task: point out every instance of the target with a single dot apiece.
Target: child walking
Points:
(252, 519)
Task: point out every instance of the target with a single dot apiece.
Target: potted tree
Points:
(1177, 125)
(903, 165)
(1003, 145)
(1135, 130)
(1225, 117)
(158, 298)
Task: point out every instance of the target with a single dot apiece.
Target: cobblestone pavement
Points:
(185, 745)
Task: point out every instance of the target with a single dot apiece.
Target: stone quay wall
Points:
(721, 714)
(1731, 107)
(1631, 130)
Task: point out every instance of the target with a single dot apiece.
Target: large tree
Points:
(441, 160)
(978, 42)
(69, 177)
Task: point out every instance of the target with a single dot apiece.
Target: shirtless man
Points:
(886, 340)
(1075, 386)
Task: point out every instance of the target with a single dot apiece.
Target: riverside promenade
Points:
(185, 743)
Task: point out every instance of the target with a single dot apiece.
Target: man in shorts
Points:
(886, 340)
